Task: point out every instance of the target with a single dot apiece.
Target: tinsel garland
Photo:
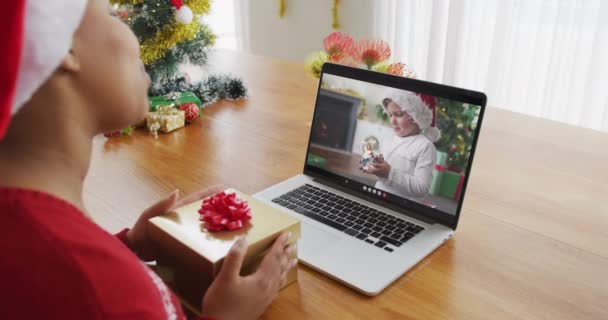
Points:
(157, 47)
(210, 90)
(198, 7)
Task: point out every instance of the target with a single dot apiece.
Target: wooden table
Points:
(533, 237)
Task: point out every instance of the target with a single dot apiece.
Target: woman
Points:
(406, 167)
(71, 71)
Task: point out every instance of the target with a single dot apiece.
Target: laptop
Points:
(367, 229)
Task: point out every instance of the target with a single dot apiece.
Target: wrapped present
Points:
(458, 188)
(174, 99)
(436, 180)
(451, 184)
(191, 251)
(166, 119)
(317, 161)
(442, 158)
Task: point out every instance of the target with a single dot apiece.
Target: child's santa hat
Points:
(420, 107)
(36, 36)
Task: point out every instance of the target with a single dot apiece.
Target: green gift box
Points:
(316, 161)
(437, 178)
(450, 184)
(177, 98)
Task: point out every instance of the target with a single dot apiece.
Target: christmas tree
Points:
(457, 122)
(171, 33)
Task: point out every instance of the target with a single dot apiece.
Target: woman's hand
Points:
(138, 236)
(380, 168)
(232, 297)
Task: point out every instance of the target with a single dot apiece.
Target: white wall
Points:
(305, 24)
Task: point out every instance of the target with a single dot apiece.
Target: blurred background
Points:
(544, 58)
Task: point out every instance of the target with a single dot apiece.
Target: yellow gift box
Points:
(166, 119)
(191, 257)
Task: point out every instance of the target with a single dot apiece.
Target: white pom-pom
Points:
(184, 15)
(432, 133)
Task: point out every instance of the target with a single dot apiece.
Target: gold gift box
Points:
(191, 257)
(166, 119)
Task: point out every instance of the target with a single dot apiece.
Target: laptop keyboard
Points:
(355, 219)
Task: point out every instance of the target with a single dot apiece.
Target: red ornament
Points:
(177, 3)
(224, 211)
(191, 110)
(453, 148)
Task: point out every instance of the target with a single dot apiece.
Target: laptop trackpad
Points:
(314, 241)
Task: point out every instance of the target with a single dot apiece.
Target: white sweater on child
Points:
(412, 160)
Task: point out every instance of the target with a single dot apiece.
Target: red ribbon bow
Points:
(224, 211)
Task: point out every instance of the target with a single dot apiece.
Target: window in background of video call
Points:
(354, 136)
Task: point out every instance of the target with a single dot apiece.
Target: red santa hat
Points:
(36, 36)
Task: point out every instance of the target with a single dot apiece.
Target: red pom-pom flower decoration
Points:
(224, 211)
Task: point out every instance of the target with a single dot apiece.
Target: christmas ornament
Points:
(281, 8)
(190, 110)
(370, 155)
(224, 211)
(183, 14)
(335, 23)
(334, 15)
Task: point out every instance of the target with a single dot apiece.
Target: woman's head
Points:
(75, 54)
(104, 66)
(410, 114)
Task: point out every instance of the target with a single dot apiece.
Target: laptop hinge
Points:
(375, 201)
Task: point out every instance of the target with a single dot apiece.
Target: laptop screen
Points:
(399, 141)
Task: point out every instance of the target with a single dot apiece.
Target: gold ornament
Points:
(281, 8)
(335, 24)
(334, 11)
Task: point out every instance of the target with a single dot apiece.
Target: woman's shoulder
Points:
(54, 246)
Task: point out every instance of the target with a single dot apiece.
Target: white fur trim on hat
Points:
(413, 105)
(49, 30)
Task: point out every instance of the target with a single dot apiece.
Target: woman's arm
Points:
(122, 236)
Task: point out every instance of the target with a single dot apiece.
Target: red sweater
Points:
(57, 264)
